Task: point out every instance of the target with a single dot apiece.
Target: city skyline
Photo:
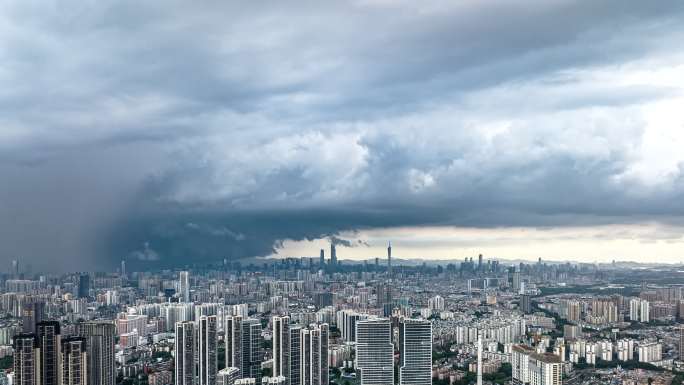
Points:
(169, 133)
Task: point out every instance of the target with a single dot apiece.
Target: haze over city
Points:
(172, 133)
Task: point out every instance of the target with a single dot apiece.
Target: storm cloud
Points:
(175, 133)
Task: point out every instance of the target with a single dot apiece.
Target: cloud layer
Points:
(173, 133)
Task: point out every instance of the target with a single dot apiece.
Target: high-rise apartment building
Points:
(415, 349)
(650, 351)
(681, 343)
(530, 367)
(26, 366)
(243, 346)
(374, 351)
(314, 355)
(639, 310)
(436, 303)
(100, 343)
(346, 322)
(207, 344)
(185, 353)
(74, 367)
(50, 345)
(281, 346)
(573, 310)
(526, 303)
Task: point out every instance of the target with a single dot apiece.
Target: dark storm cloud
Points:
(175, 133)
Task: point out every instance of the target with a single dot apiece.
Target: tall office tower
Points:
(314, 355)
(321, 259)
(184, 286)
(243, 346)
(74, 361)
(415, 348)
(227, 376)
(374, 351)
(389, 259)
(49, 343)
(207, 342)
(333, 254)
(26, 360)
(479, 262)
(123, 268)
(281, 346)
(99, 337)
(185, 353)
(15, 269)
(83, 286)
(526, 303)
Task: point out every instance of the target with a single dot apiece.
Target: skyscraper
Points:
(295, 356)
(243, 346)
(26, 361)
(375, 352)
(74, 361)
(314, 355)
(208, 349)
(281, 346)
(185, 353)
(123, 268)
(99, 337)
(415, 348)
(333, 254)
(184, 286)
(389, 259)
(321, 261)
(83, 286)
(50, 345)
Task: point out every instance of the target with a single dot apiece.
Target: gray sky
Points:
(167, 132)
